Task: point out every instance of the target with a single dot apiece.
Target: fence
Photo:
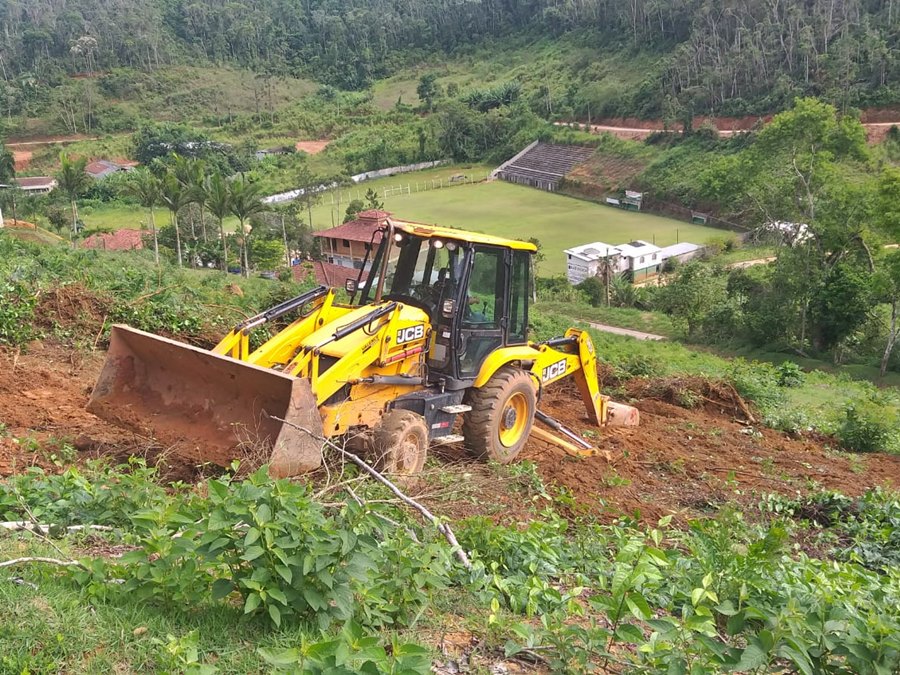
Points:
(340, 196)
(394, 170)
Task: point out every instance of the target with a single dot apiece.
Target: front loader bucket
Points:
(208, 407)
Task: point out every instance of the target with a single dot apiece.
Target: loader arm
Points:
(572, 355)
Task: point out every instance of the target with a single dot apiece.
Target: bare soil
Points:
(22, 159)
(877, 122)
(689, 461)
(312, 147)
(681, 461)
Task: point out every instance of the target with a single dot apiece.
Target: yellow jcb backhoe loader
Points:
(437, 330)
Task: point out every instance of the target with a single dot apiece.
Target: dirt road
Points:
(636, 334)
(639, 130)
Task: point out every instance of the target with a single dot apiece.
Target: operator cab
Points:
(476, 292)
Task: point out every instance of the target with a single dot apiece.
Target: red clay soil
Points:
(876, 120)
(680, 461)
(22, 159)
(687, 462)
(311, 147)
(43, 394)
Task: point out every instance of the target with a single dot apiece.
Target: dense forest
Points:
(740, 56)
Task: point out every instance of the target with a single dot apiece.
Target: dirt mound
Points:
(18, 224)
(714, 396)
(73, 308)
(43, 394)
(687, 462)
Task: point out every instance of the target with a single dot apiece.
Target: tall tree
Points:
(309, 184)
(74, 182)
(175, 197)
(218, 201)
(146, 188)
(246, 201)
(191, 173)
(428, 89)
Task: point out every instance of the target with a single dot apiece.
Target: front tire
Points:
(502, 415)
(401, 443)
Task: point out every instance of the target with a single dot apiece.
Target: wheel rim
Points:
(407, 453)
(513, 419)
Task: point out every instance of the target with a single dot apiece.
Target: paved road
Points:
(636, 334)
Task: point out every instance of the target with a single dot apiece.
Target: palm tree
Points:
(218, 201)
(245, 202)
(73, 180)
(191, 173)
(175, 197)
(145, 187)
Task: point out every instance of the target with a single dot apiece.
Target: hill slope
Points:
(696, 56)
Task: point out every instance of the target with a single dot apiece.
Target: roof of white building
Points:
(594, 251)
(638, 248)
(679, 249)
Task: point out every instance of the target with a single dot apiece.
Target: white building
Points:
(642, 259)
(588, 260)
(682, 252)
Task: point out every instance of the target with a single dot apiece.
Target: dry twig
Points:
(442, 527)
(49, 561)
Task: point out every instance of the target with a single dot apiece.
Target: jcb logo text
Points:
(411, 333)
(553, 370)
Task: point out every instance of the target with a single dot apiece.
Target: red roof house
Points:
(347, 244)
(101, 168)
(325, 274)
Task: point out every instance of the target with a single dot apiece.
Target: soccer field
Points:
(519, 212)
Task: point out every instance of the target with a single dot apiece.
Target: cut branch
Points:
(49, 561)
(442, 527)
(25, 526)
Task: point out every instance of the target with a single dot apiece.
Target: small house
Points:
(36, 185)
(324, 273)
(632, 200)
(101, 168)
(272, 152)
(347, 244)
(642, 259)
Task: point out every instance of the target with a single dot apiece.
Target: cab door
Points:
(482, 316)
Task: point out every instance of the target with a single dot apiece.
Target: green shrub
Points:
(789, 374)
(17, 305)
(271, 544)
(757, 382)
(869, 426)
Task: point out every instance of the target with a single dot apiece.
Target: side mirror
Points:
(350, 286)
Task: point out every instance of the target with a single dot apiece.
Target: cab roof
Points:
(435, 231)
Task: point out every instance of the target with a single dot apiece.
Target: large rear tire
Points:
(502, 415)
(401, 443)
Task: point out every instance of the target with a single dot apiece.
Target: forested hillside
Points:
(731, 58)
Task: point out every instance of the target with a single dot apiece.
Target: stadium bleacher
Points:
(544, 165)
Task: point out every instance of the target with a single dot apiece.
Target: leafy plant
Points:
(870, 426)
